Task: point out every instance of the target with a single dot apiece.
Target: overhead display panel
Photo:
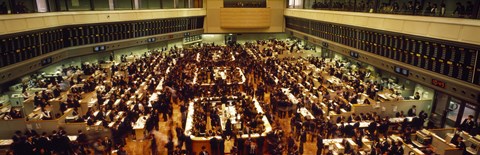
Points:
(448, 58)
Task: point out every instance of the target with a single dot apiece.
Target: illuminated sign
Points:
(438, 83)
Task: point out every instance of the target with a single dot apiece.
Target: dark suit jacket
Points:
(411, 113)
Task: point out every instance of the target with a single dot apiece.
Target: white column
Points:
(136, 4)
(42, 6)
(111, 6)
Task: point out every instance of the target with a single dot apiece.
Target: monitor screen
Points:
(420, 140)
(96, 49)
(405, 72)
(102, 48)
(398, 70)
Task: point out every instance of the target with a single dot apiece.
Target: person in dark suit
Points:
(371, 128)
(319, 144)
(46, 114)
(29, 146)
(170, 146)
(260, 141)
(460, 144)
(423, 115)
(204, 151)
(375, 151)
(44, 142)
(82, 138)
(228, 129)
(412, 111)
(122, 151)
(214, 145)
(108, 144)
(416, 123)
(416, 96)
(467, 124)
(399, 148)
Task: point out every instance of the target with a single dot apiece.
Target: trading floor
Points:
(272, 96)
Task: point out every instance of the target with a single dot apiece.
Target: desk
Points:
(139, 127)
(93, 102)
(105, 103)
(220, 73)
(332, 141)
(418, 144)
(305, 113)
(228, 112)
(290, 96)
(189, 123)
(5, 142)
(72, 137)
(36, 114)
(266, 124)
(190, 113)
(160, 85)
(334, 80)
(362, 124)
(117, 102)
(400, 119)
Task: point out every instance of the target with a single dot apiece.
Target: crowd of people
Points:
(295, 95)
(58, 142)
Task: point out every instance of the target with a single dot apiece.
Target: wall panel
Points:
(245, 17)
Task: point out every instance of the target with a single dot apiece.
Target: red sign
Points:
(438, 83)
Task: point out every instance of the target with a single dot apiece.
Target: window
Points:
(101, 5)
(295, 4)
(167, 4)
(123, 4)
(78, 5)
(150, 4)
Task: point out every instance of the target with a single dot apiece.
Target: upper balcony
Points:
(40, 6)
(26, 16)
(459, 29)
(435, 8)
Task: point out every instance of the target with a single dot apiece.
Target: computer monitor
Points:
(421, 140)
(405, 72)
(398, 70)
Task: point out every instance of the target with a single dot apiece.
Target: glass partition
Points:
(245, 3)
(78, 5)
(168, 4)
(101, 5)
(296, 4)
(308, 4)
(183, 3)
(30, 6)
(442, 8)
(123, 4)
(150, 4)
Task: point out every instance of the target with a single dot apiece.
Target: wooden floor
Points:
(143, 147)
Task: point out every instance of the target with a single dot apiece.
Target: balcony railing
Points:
(38, 6)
